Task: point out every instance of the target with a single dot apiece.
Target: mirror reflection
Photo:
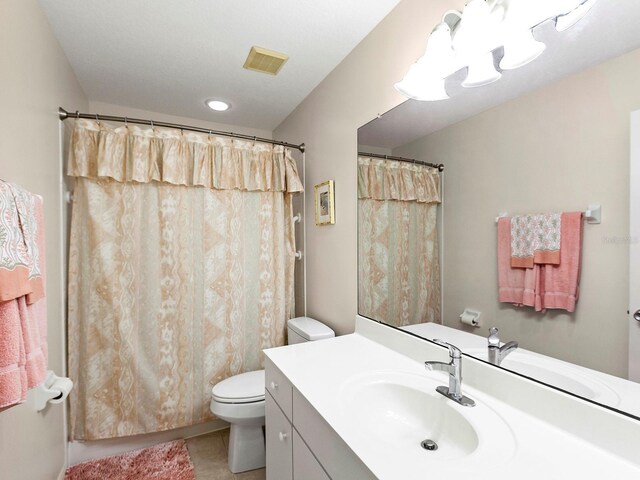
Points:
(551, 138)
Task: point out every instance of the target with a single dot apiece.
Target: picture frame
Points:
(324, 202)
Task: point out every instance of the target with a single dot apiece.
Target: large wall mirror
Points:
(552, 136)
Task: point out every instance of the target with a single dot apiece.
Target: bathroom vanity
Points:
(360, 406)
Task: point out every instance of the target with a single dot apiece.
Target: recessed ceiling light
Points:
(217, 105)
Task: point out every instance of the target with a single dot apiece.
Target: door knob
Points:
(636, 315)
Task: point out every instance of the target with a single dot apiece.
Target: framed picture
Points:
(325, 209)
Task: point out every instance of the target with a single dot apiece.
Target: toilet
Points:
(239, 400)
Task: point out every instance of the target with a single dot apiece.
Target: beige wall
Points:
(35, 80)
(327, 121)
(559, 148)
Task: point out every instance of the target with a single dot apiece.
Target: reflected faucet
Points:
(454, 369)
(497, 353)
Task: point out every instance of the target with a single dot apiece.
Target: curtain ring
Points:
(254, 141)
(77, 114)
(151, 124)
(125, 122)
(97, 120)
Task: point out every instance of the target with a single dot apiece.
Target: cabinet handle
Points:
(282, 436)
(274, 386)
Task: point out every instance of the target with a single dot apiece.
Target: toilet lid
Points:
(243, 388)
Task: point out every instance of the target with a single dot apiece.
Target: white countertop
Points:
(320, 370)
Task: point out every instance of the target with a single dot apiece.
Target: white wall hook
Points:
(297, 218)
(298, 255)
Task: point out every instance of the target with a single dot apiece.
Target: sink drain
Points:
(429, 445)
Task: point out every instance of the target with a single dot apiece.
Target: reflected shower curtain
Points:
(398, 263)
(180, 272)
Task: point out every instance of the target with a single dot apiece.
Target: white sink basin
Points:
(557, 373)
(400, 410)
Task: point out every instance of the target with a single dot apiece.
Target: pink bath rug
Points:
(167, 461)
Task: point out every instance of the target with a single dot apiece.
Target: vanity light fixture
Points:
(217, 105)
(468, 39)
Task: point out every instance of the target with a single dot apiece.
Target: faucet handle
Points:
(493, 340)
(454, 352)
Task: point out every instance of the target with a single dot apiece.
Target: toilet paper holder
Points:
(470, 317)
(54, 390)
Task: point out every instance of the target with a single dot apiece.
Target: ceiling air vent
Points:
(265, 61)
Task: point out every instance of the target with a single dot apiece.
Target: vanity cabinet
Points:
(300, 443)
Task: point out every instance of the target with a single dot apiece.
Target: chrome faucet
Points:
(497, 353)
(454, 369)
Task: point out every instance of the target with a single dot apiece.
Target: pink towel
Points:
(23, 319)
(561, 283)
(515, 285)
(543, 286)
(23, 350)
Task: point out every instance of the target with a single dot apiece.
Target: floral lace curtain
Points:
(398, 263)
(180, 272)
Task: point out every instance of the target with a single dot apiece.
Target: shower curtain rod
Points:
(439, 166)
(63, 114)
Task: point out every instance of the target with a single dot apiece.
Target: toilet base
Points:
(246, 448)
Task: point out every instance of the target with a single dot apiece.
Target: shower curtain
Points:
(398, 262)
(180, 272)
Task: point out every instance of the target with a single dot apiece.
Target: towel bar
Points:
(592, 215)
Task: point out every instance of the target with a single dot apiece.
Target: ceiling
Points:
(169, 56)
(609, 30)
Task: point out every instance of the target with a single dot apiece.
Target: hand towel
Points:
(13, 375)
(14, 258)
(23, 350)
(560, 284)
(21, 231)
(515, 285)
(535, 239)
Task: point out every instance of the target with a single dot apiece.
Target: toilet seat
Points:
(244, 388)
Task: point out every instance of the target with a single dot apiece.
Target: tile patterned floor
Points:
(209, 457)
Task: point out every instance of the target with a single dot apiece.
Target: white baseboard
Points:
(84, 451)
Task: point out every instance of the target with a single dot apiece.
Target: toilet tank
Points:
(305, 329)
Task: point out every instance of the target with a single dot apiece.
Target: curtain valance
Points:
(392, 180)
(144, 155)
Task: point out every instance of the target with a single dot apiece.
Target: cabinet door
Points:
(279, 442)
(305, 465)
(278, 386)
